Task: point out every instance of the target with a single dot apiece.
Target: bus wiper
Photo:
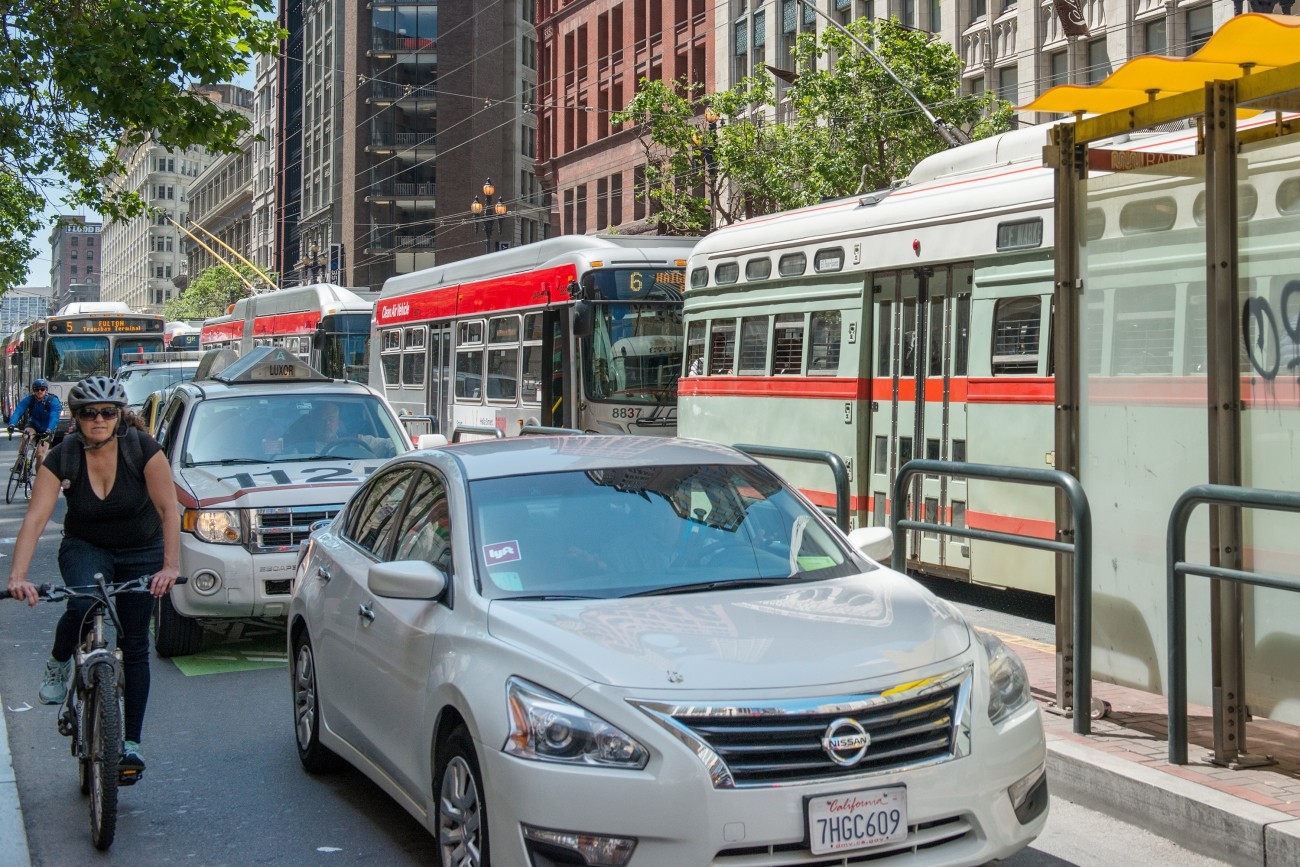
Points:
(706, 586)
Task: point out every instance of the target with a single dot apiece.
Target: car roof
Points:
(530, 455)
(210, 389)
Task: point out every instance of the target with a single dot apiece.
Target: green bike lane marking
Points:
(235, 646)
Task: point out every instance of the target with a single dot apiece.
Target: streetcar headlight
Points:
(548, 728)
(219, 526)
(1008, 680)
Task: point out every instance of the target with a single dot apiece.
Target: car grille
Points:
(283, 527)
(780, 742)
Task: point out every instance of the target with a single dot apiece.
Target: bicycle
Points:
(91, 715)
(20, 475)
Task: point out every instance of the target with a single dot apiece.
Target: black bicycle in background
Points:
(91, 715)
(24, 468)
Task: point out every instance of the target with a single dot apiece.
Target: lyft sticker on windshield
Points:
(501, 552)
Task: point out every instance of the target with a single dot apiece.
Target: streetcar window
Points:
(931, 516)
(694, 349)
(414, 338)
(753, 344)
(932, 454)
(787, 345)
(884, 335)
(503, 329)
(533, 327)
(792, 264)
(1148, 215)
(904, 450)
(1195, 342)
(413, 368)
(503, 374)
(1016, 326)
(1247, 202)
(1143, 335)
(392, 340)
(961, 348)
(936, 337)
(469, 375)
(722, 347)
(758, 269)
(470, 332)
(1288, 196)
(1094, 223)
(727, 273)
(882, 456)
(824, 346)
(958, 515)
(959, 451)
(830, 259)
(699, 278)
(1020, 234)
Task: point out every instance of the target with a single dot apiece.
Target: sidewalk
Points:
(13, 836)
(1248, 817)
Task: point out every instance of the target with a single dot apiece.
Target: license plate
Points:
(857, 820)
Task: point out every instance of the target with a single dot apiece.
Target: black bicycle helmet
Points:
(97, 389)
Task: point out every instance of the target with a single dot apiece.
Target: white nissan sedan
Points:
(645, 651)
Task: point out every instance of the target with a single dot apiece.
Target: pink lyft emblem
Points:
(501, 552)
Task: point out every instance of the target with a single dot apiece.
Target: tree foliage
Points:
(848, 128)
(211, 291)
(79, 78)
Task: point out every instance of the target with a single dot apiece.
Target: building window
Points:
(1200, 26)
(1153, 36)
(1098, 61)
(1059, 68)
(1009, 84)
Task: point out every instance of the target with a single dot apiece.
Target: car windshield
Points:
(140, 382)
(279, 428)
(645, 531)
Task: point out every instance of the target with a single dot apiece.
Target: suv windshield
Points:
(140, 382)
(287, 427)
(647, 530)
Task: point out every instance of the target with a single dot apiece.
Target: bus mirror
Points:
(584, 315)
(318, 337)
(38, 347)
(574, 290)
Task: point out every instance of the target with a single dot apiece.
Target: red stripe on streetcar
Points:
(510, 292)
(1036, 389)
(286, 323)
(825, 500)
(224, 331)
(1010, 389)
(836, 388)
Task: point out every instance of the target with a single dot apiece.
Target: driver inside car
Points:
(321, 432)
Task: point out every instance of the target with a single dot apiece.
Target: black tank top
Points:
(126, 518)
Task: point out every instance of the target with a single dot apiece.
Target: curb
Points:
(1231, 829)
(13, 834)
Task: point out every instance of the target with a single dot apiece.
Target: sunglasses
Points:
(89, 414)
(40, 389)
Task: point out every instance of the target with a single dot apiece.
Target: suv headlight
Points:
(219, 526)
(1008, 680)
(548, 728)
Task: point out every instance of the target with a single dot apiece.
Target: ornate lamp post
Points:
(310, 266)
(489, 212)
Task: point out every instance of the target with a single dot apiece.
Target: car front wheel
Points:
(315, 757)
(462, 807)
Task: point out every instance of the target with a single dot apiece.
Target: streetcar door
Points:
(439, 397)
(558, 369)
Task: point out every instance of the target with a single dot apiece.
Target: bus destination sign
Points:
(106, 325)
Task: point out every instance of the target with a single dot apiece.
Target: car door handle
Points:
(323, 574)
(367, 612)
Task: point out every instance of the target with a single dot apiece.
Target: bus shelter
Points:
(1177, 360)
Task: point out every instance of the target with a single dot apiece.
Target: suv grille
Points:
(283, 527)
(780, 742)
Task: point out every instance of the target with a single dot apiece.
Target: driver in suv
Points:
(321, 432)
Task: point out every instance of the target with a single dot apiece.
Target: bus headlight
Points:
(219, 526)
(1008, 680)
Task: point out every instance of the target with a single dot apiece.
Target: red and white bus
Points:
(577, 331)
(325, 325)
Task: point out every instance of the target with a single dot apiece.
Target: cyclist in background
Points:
(38, 414)
(122, 521)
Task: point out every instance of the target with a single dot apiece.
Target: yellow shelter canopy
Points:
(1245, 44)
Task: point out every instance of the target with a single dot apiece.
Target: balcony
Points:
(388, 44)
(398, 242)
(395, 190)
(402, 140)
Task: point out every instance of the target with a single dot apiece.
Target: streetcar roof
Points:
(582, 250)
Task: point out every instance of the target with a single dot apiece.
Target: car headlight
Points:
(219, 526)
(1008, 680)
(548, 728)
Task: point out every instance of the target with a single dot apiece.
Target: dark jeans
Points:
(79, 561)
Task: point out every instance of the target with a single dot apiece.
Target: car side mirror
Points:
(876, 542)
(406, 579)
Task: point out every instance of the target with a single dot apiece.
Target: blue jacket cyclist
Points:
(38, 415)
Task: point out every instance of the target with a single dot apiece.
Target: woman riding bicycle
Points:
(38, 415)
(121, 521)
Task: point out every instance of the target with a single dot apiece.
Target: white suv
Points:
(260, 451)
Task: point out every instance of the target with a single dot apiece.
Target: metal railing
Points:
(834, 461)
(1080, 551)
(1176, 571)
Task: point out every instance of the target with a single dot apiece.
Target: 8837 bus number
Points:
(626, 412)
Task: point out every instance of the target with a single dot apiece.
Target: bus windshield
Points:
(70, 359)
(345, 353)
(130, 345)
(633, 354)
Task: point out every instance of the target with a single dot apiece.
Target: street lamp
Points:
(311, 267)
(711, 116)
(488, 212)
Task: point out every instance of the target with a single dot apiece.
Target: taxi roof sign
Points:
(270, 364)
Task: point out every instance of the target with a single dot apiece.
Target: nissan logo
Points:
(846, 742)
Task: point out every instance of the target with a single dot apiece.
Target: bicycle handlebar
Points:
(56, 592)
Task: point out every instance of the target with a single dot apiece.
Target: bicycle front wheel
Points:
(15, 482)
(104, 739)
